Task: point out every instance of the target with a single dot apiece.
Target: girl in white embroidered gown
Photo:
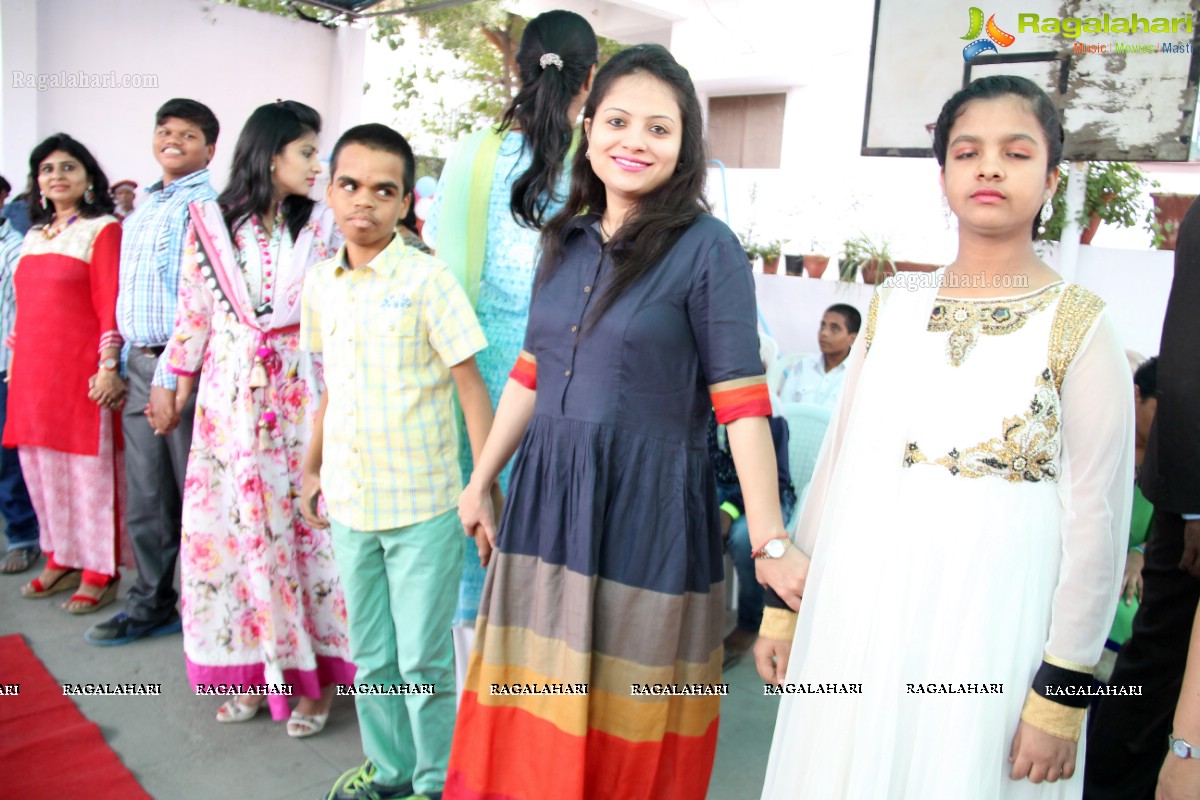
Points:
(967, 518)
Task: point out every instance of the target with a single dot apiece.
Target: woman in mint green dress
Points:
(496, 191)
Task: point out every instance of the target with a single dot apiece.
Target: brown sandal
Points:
(67, 580)
(93, 604)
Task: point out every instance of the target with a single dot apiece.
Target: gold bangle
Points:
(778, 624)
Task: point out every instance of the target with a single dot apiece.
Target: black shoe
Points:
(121, 629)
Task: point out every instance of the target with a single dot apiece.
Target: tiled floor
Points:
(178, 752)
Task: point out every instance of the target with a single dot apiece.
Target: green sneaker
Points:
(358, 783)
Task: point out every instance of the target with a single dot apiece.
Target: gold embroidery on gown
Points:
(1028, 447)
(872, 319)
(967, 319)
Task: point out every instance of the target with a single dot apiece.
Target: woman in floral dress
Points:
(262, 603)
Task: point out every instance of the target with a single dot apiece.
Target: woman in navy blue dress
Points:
(608, 574)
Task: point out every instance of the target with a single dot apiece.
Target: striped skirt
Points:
(597, 658)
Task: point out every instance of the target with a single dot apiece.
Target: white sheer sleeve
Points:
(1097, 496)
(1096, 490)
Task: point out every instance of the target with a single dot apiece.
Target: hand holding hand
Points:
(106, 389)
(786, 575)
(310, 493)
(475, 510)
(1040, 756)
(161, 412)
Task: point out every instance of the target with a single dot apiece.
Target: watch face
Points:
(775, 548)
(1181, 748)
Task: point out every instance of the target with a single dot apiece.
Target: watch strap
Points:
(1192, 750)
(761, 550)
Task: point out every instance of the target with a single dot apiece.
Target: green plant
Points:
(770, 251)
(1159, 231)
(766, 250)
(1113, 193)
(861, 251)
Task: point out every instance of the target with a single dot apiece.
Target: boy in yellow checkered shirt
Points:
(397, 335)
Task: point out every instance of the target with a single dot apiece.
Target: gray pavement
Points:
(177, 751)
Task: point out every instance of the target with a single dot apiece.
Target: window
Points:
(746, 132)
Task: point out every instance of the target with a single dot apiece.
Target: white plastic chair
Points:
(807, 424)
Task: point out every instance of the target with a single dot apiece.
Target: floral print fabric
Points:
(261, 597)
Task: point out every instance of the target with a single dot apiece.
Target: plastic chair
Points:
(806, 430)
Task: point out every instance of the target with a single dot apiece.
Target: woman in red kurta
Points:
(64, 383)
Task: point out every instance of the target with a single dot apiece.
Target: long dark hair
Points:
(994, 86)
(540, 108)
(102, 202)
(659, 217)
(250, 191)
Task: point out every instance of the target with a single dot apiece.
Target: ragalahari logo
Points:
(995, 36)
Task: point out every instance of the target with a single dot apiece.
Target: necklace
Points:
(50, 233)
(266, 246)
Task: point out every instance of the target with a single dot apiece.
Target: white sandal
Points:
(233, 710)
(301, 726)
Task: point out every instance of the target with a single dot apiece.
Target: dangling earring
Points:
(946, 211)
(1047, 213)
(45, 204)
(89, 196)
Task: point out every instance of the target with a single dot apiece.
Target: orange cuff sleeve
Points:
(524, 371)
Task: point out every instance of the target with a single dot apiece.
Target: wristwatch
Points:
(774, 548)
(109, 364)
(1182, 749)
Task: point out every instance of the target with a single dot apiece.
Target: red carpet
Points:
(47, 748)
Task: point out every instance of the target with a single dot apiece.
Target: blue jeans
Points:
(750, 592)
(21, 523)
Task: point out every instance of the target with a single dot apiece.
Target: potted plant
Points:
(1112, 195)
(767, 251)
(812, 261)
(815, 264)
(862, 256)
(770, 257)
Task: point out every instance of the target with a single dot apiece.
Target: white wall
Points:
(229, 58)
(1135, 285)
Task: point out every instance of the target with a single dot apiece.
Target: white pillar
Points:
(1068, 254)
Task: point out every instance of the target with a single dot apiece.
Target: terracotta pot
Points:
(1090, 230)
(875, 271)
(913, 266)
(814, 265)
(771, 265)
(1170, 208)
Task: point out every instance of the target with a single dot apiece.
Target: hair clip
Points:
(551, 58)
